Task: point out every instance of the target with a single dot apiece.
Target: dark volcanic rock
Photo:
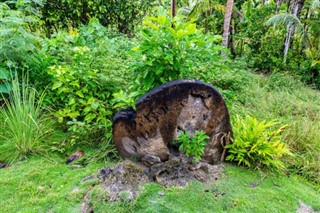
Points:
(171, 173)
(150, 160)
(124, 178)
(186, 105)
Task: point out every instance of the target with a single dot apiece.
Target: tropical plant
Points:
(5, 85)
(170, 49)
(26, 123)
(292, 23)
(120, 15)
(81, 100)
(81, 81)
(192, 146)
(256, 145)
(18, 38)
(204, 13)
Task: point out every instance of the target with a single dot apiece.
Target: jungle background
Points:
(67, 66)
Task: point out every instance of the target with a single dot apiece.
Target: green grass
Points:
(42, 185)
(284, 98)
(231, 194)
(21, 191)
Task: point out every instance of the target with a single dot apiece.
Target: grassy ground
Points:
(43, 185)
(49, 185)
(283, 98)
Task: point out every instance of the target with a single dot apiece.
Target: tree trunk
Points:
(296, 10)
(226, 24)
(279, 2)
(173, 8)
(231, 44)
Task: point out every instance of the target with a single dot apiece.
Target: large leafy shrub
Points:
(19, 41)
(172, 48)
(256, 145)
(80, 96)
(87, 65)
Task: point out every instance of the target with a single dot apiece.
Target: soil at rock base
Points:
(124, 180)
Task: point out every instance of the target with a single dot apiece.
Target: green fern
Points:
(256, 145)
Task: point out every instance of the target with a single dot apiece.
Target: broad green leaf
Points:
(4, 74)
(5, 88)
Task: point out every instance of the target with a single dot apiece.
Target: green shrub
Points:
(120, 15)
(19, 40)
(26, 126)
(170, 49)
(87, 67)
(256, 145)
(192, 146)
(81, 100)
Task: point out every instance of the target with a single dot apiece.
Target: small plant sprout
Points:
(193, 146)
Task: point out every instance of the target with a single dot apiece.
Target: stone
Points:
(150, 160)
(171, 173)
(90, 177)
(195, 166)
(122, 181)
(186, 105)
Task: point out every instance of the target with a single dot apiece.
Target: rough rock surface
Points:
(123, 179)
(126, 177)
(186, 105)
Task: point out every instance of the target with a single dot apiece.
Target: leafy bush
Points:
(19, 40)
(192, 146)
(121, 15)
(255, 145)
(81, 81)
(170, 49)
(26, 125)
(82, 101)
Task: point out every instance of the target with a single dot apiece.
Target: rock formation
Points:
(186, 105)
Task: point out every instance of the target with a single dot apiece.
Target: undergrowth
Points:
(284, 98)
(26, 125)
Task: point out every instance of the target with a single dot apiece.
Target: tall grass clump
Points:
(25, 124)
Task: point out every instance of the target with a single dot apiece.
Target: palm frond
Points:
(220, 7)
(315, 4)
(288, 20)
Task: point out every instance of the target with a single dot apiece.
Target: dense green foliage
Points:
(85, 60)
(170, 49)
